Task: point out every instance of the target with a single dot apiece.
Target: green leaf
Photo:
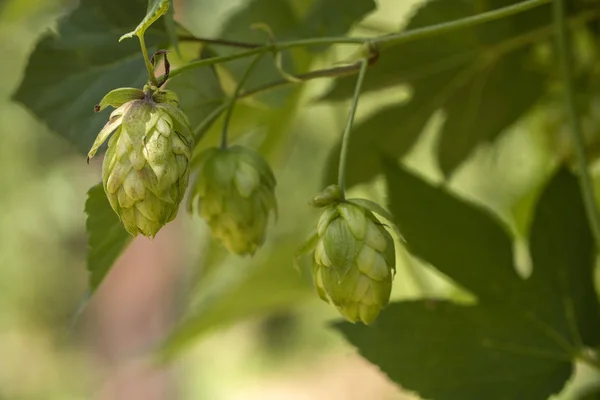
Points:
(199, 91)
(446, 351)
(519, 347)
(235, 291)
(334, 17)
(71, 71)
(391, 131)
(106, 236)
(280, 18)
(496, 97)
(156, 9)
(592, 393)
(171, 28)
(116, 98)
(562, 252)
(480, 76)
(462, 240)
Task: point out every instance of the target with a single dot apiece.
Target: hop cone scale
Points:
(146, 167)
(234, 193)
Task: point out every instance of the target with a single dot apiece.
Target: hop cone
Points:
(235, 195)
(145, 170)
(353, 261)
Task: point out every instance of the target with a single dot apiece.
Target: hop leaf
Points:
(146, 167)
(234, 192)
(353, 261)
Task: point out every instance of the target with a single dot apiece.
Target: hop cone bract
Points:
(353, 261)
(146, 167)
(235, 195)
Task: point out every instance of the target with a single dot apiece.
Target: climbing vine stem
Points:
(347, 131)
(566, 62)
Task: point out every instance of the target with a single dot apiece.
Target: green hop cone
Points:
(146, 167)
(235, 195)
(353, 258)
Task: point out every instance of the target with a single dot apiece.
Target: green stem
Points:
(382, 42)
(202, 128)
(346, 137)
(149, 66)
(236, 95)
(391, 40)
(220, 42)
(566, 63)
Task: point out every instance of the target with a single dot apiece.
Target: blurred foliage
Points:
(477, 112)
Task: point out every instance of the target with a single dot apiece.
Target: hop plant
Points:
(353, 256)
(146, 167)
(235, 195)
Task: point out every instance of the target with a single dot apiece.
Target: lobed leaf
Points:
(106, 236)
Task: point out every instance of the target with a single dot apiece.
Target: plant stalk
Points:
(566, 64)
(386, 41)
(346, 136)
(149, 66)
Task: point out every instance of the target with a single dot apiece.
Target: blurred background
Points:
(260, 331)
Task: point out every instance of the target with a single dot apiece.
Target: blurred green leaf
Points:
(480, 77)
(238, 290)
(171, 29)
(199, 92)
(106, 236)
(522, 337)
(69, 72)
(334, 17)
(155, 10)
(561, 289)
(391, 131)
(496, 97)
(281, 20)
(590, 394)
